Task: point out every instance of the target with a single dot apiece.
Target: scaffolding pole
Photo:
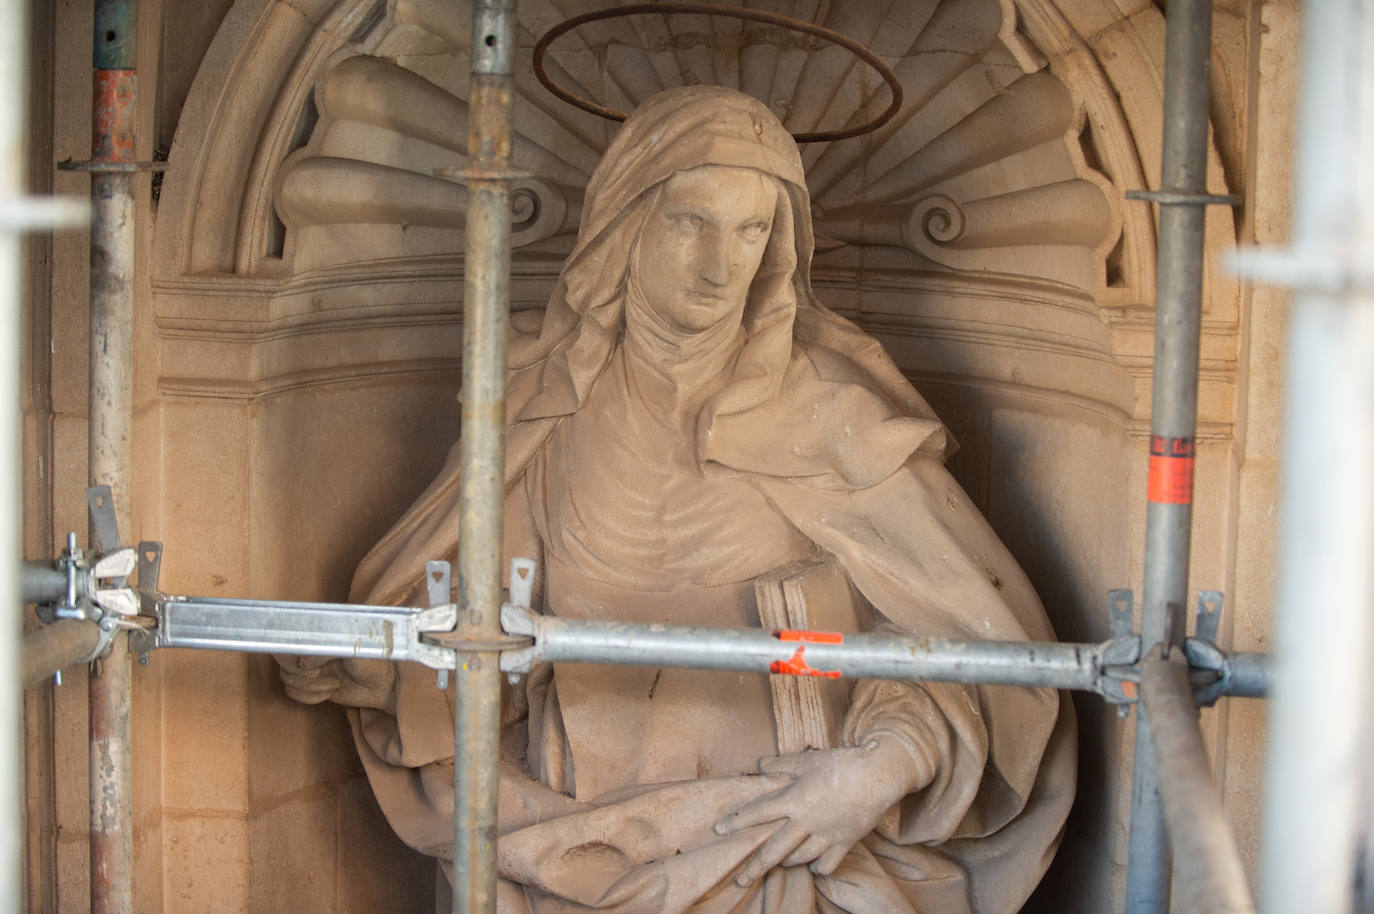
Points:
(14, 57)
(486, 307)
(1173, 415)
(110, 419)
(1317, 799)
(1210, 876)
(55, 647)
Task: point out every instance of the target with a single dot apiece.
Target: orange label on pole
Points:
(796, 665)
(797, 634)
(1171, 470)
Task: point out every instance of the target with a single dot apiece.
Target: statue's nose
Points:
(713, 261)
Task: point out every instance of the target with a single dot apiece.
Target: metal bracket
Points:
(1119, 683)
(73, 566)
(1209, 672)
(101, 502)
(444, 612)
(108, 628)
(110, 166)
(464, 175)
(1121, 606)
(149, 564)
(143, 642)
(521, 588)
(521, 582)
(1208, 615)
(1181, 198)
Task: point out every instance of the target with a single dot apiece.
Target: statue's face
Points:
(702, 244)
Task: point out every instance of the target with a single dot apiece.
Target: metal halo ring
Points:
(858, 50)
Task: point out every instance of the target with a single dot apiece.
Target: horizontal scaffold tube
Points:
(875, 656)
(57, 646)
(40, 582)
(425, 636)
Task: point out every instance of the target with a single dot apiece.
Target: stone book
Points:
(809, 710)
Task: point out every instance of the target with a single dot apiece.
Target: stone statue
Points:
(689, 431)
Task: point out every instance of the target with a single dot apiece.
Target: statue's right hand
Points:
(353, 682)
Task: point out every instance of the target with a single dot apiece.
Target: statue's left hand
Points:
(833, 798)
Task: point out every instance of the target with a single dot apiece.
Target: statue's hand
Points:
(356, 683)
(834, 798)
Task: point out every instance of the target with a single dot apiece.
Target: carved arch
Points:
(312, 133)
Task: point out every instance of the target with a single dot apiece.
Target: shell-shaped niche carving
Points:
(982, 171)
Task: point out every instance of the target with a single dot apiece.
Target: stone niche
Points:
(306, 281)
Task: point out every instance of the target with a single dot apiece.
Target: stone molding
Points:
(300, 217)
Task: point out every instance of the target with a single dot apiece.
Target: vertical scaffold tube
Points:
(486, 306)
(1173, 417)
(1316, 793)
(110, 418)
(14, 57)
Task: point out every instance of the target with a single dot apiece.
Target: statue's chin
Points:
(693, 313)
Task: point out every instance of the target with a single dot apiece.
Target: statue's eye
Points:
(755, 230)
(688, 224)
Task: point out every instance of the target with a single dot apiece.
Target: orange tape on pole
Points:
(796, 665)
(1171, 470)
(797, 634)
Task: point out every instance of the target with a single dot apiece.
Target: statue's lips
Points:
(707, 296)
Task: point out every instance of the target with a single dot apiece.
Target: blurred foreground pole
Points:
(1317, 794)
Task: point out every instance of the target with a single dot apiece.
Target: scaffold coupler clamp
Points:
(93, 583)
(94, 592)
(1120, 681)
(439, 623)
(143, 636)
(1209, 669)
(117, 606)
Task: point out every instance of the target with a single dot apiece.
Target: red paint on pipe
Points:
(112, 124)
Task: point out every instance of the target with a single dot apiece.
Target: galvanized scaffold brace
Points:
(1182, 199)
(486, 313)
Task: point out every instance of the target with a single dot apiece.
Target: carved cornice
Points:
(403, 325)
(301, 212)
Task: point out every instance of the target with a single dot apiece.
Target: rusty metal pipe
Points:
(111, 402)
(55, 647)
(1209, 875)
(486, 307)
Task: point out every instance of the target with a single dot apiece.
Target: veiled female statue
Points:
(688, 431)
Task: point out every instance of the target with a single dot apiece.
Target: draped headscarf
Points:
(799, 357)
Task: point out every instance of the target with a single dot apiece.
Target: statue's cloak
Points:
(876, 497)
